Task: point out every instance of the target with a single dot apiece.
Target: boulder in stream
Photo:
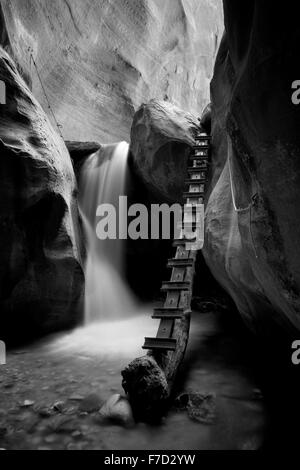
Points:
(118, 410)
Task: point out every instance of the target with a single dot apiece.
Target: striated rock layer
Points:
(99, 60)
(252, 217)
(41, 280)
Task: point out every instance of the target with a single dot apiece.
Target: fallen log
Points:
(148, 381)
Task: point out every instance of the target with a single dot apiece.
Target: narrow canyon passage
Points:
(63, 381)
(114, 115)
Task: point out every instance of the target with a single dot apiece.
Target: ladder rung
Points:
(203, 135)
(173, 285)
(202, 144)
(196, 181)
(199, 160)
(168, 313)
(194, 194)
(193, 225)
(197, 169)
(183, 241)
(199, 157)
(202, 138)
(197, 201)
(166, 344)
(180, 262)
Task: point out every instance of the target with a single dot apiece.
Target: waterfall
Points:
(102, 181)
(115, 323)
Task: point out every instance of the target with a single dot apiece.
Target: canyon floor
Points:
(42, 386)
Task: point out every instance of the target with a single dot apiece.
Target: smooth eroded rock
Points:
(100, 60)
(162, 136)
(118, 410)
(41, 279)
(252, 216)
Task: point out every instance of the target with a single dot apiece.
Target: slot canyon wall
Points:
(99, 60)
(41, 276)
(95, 63)
(252, 216)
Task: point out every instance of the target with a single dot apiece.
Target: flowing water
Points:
(115, 324)
(103, 180)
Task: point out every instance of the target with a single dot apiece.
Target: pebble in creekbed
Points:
(118, 410)
(76, 397)
(59, 406)
(27, 403)
(8, 385)
(43, 411)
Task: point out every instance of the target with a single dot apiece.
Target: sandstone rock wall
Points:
(253, 217)
(99, 60)
(41, 278)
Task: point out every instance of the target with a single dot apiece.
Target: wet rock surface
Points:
(200, 407)
(117, 409)
(146, 384)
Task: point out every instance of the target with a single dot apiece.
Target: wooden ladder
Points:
(179, 288)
